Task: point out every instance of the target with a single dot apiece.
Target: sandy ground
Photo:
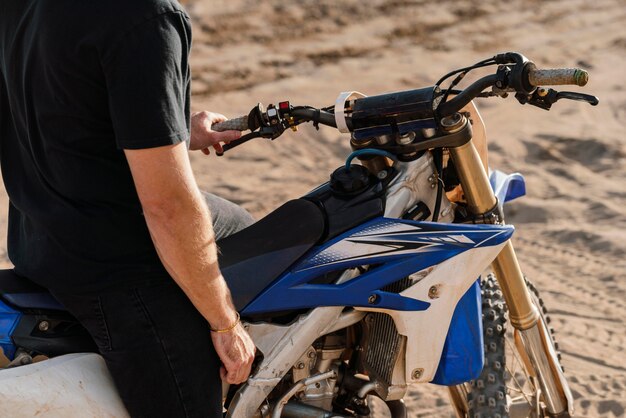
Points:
(570, 228)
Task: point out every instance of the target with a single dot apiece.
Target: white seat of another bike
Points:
(74, 385)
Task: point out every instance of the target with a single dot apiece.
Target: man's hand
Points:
(203, 138)
(236, 350)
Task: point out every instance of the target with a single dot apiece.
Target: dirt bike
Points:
(366, 285)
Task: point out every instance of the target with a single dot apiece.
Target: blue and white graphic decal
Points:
(393, 249)
(391, 237)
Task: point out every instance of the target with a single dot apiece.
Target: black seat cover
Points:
(23, 293)
(253, 258)
(250, 259)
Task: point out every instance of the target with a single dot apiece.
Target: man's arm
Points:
(180, 226)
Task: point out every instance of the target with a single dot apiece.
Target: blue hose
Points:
(368, 151)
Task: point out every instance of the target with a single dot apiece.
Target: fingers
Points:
(216, 117)
(237, 374)
(226, 139)
(218, 148)
(227, 136)
(236, 350)
(208, 118)
(203, 137)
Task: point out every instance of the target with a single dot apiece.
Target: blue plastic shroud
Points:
(462, 358)
(9, 319)
(395, 248)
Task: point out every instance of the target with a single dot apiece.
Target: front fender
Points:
(507, 187)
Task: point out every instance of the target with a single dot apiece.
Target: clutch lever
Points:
(269, 132)
(545, 98)
(241, 140)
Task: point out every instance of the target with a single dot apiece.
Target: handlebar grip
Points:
(558, 76)
(235, 124)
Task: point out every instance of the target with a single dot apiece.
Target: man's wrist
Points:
(225, 320)
(227, 329)
(216, 305)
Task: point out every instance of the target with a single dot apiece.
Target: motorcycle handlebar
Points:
(523, 78)
(316, 115)
(558, 76)
(235, 124)
(533, 77)
(454, 105)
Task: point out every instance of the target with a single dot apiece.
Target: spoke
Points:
(515, 389)
(513, 349)
(521, 389)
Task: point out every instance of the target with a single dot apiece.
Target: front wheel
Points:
(506, 387)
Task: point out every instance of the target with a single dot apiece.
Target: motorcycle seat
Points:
(23, 293)
(254, 257)
(250, 259)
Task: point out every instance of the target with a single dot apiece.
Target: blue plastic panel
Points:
(397, 248)
(462, 358)
(9, 319)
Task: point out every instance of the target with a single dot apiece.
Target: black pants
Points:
(155, 343)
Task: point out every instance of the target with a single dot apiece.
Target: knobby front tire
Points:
(504, 387)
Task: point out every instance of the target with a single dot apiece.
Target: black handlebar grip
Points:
(235, 124)
(558, 77)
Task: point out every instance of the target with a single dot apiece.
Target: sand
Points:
(570, 237)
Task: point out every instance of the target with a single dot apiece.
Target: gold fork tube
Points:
(476, 188)
(522, 313)
(480, 199)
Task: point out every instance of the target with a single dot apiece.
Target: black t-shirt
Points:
(80, 81)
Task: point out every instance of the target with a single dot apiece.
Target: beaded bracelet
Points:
(230, 328)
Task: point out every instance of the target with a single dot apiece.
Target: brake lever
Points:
(570, 95)
(545, 98)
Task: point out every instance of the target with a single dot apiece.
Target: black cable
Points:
(456, 81)
(438, 160)
(483, 94)
(480, 64)
(463, 72)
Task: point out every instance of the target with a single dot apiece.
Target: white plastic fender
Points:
(70, 386)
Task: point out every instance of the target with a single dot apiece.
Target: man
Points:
(104, 209)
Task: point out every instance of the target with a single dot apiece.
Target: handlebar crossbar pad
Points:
(235, 124)
(558, 77)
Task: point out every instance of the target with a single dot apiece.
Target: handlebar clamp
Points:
(518, 74)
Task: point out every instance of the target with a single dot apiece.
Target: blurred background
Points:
(571, 228)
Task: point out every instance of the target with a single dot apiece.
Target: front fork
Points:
(522, 312)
